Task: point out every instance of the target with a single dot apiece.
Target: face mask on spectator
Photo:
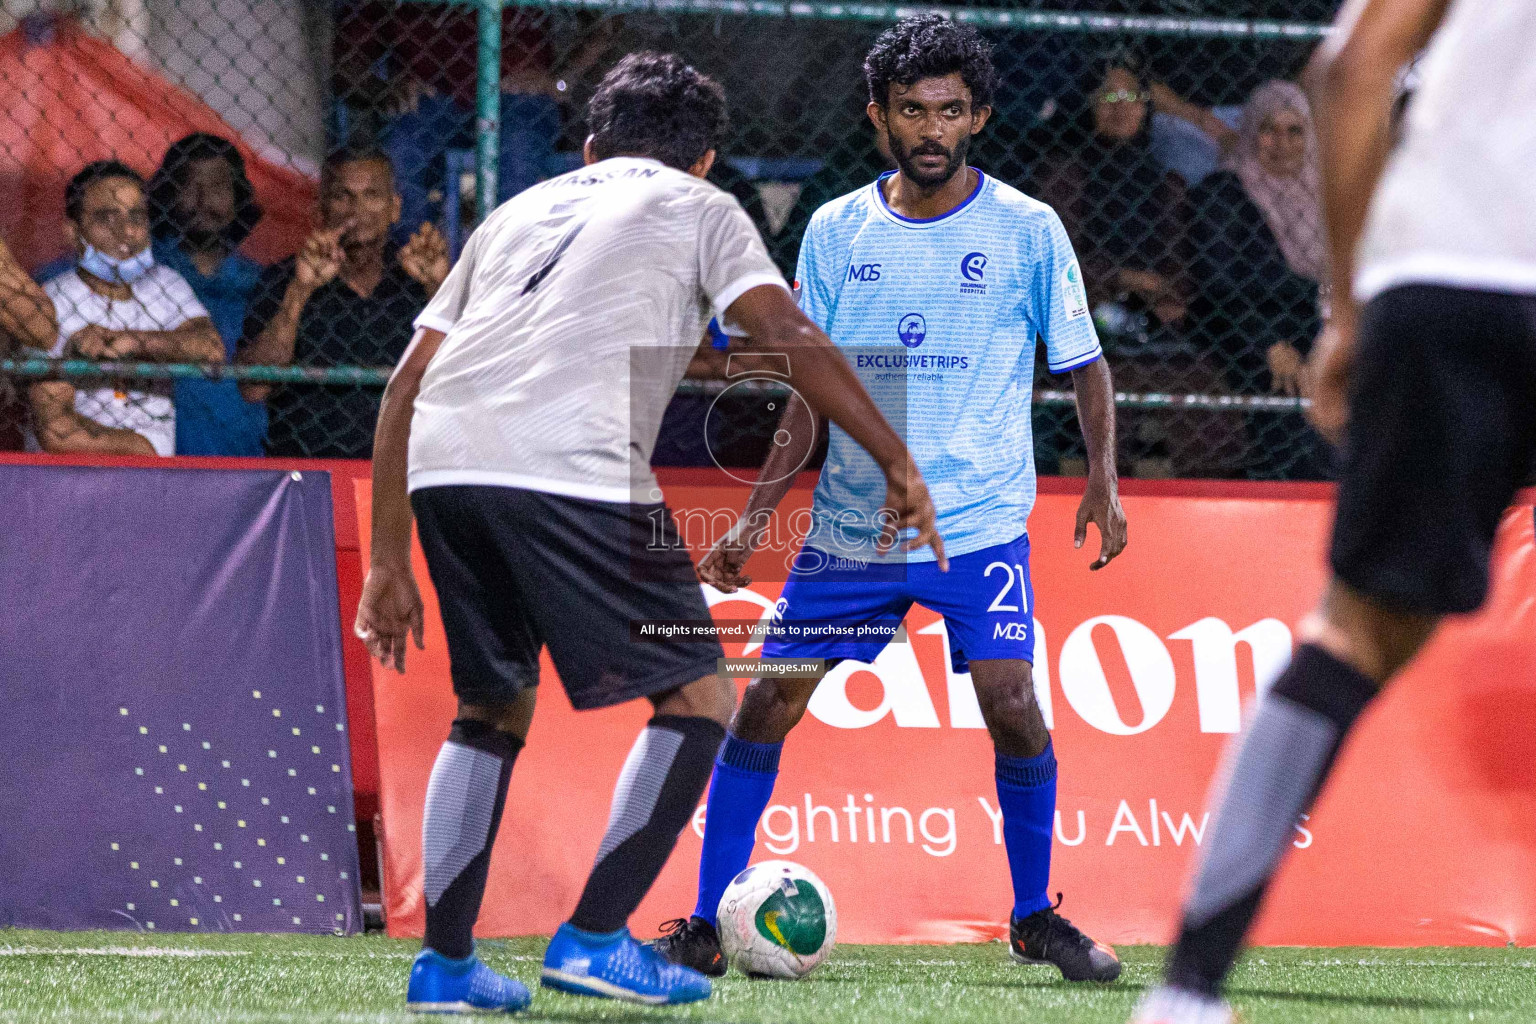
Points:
(107, 268)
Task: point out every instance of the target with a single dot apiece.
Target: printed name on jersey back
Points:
(586, 177)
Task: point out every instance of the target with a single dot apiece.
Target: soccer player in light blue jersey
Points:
(935, 280)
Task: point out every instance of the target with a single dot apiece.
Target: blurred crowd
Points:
(1198, 231)
(157, 276)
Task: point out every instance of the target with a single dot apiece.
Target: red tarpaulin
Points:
(72, 98)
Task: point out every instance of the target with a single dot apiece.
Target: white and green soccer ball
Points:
(777, 920)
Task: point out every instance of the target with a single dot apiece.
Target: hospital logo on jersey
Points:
(912, 330)
(1074, 297)
(973, 269)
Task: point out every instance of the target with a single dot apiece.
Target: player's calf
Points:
(662, 780)
(1284, 758)
(1025, 768)
(657, 792)
(740, 787)
(1005, 692)
(770, 708)
(465, 799)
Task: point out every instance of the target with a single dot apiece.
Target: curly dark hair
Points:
(90, 174)
(171, 178)
(930, 46)
(656, 105)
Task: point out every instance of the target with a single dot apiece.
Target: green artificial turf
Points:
(255, 979)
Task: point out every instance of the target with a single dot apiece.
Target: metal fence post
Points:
(487, 106)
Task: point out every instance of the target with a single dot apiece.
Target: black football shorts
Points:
(518, 570)
(1442, 433)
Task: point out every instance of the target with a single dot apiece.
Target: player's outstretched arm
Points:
(391, 605)
(1352, 80)
(1101, 501)
(824, 379)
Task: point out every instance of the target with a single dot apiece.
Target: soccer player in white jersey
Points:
(1427, 374)
(937, 280)
(521, 422)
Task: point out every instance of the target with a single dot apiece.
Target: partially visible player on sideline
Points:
(1427, 371)
(941, 279)
(521, 422)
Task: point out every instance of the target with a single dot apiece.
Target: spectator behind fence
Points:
(1123, 211)
(117, 304)
(26, 313)
(1257, 245)
(26, 321)
(201, 207)
(1258, 254)
(347, 298)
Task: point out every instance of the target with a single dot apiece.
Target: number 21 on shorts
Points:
(1002, 602)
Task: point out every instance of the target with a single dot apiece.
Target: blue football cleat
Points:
(615, 966)
(441, 985)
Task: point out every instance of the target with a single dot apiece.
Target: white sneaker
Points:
(1164, 1005)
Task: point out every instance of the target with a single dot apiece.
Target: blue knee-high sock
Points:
(1026, 794)
(738, 793)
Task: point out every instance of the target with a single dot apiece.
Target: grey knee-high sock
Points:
(1284, 759)
(465, 798)
(657, 792)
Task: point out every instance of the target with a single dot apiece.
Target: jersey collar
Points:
(910, 222)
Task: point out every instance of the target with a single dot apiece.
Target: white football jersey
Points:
(570, 318)
(1457, 203)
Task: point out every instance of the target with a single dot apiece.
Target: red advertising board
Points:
(1146, 671)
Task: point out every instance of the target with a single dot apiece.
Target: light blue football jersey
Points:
(939, 319)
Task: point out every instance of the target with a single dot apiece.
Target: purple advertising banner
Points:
(174, 724)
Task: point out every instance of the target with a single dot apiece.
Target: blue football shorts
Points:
(837, 609)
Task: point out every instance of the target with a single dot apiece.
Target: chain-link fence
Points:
(285, 280)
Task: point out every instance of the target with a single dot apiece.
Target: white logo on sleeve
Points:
(1074, 298)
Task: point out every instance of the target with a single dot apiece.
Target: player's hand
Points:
(1326, 380)
(320, 258)
(721, 568)
(909, 506)
(389, 611)
(1101, 506)
(425, 257)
